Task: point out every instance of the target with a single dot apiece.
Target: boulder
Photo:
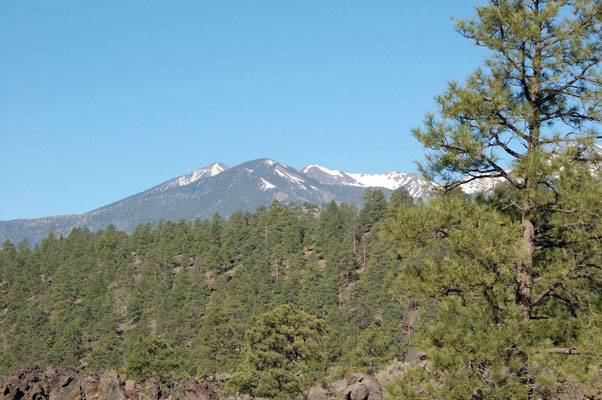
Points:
(415, 355)
(130, 387)
(90, 386)
(362, 387)
(110, 386)
(68, 389)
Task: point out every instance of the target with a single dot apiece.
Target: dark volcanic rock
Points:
(31, 383)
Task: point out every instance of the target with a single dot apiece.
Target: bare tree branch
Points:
(544, 294)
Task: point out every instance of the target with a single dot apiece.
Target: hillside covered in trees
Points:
(501, 292)
(198, 299)
(86, 299)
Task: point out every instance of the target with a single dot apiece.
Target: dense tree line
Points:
(191, 290)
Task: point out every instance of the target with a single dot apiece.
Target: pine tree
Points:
(400, 198)
(523, 276)
(213, 347)
(283, 355)
(371, 350)
(375, 209)
(153, 357)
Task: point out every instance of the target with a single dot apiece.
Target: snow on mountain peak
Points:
(482, 185)
(329, 176)
(333, 172)
(194, 176)
(211, 170)
(414, 183)
(390, 180)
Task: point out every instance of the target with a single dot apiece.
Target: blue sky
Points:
(101, 100)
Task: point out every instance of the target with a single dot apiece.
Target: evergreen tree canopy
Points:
(283, 354)
(517, 278)
(152, 357)
(375, 209)
(400, 198)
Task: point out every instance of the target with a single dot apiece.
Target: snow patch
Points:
(414, 183)
(333, 172)
(482, 185)
(290, 177)
(391, 180)
(209, 171)
(266, 185)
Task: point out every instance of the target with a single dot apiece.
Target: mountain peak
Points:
(216, 188)
(329, 176)
(414, 183)
(208, 171)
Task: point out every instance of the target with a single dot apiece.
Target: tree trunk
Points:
(354, 235)
(365, 252)
(524, 268)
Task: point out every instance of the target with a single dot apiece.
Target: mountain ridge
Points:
(217, 188)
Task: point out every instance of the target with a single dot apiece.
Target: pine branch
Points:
(544, 294)
(561, 350)
(571, 82)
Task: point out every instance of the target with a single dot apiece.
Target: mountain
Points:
(194, 176)
(213, 189)
(220, 189)
(414, 183)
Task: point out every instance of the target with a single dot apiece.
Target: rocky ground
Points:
(68, 384)
(33, 383)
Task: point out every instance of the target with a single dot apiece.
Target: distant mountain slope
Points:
(414, 183)
(202, 193)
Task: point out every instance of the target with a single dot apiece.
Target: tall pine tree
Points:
(519, 283)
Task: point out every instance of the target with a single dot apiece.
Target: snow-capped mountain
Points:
(208, 171)
(218, 188)
(213, 189)
(483, 185)
(329, 176)
(211, 170)
(414, 183)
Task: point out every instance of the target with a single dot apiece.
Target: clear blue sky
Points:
(101, 100)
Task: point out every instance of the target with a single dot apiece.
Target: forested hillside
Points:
(85, 299)
(274, 302)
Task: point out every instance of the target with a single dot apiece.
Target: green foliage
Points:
(284, 356)
(507, 285)
(85, 300)
(212, 347)
(516, 277)
(400, 198)
(371, 351)
(375, 209)
(152, 357)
